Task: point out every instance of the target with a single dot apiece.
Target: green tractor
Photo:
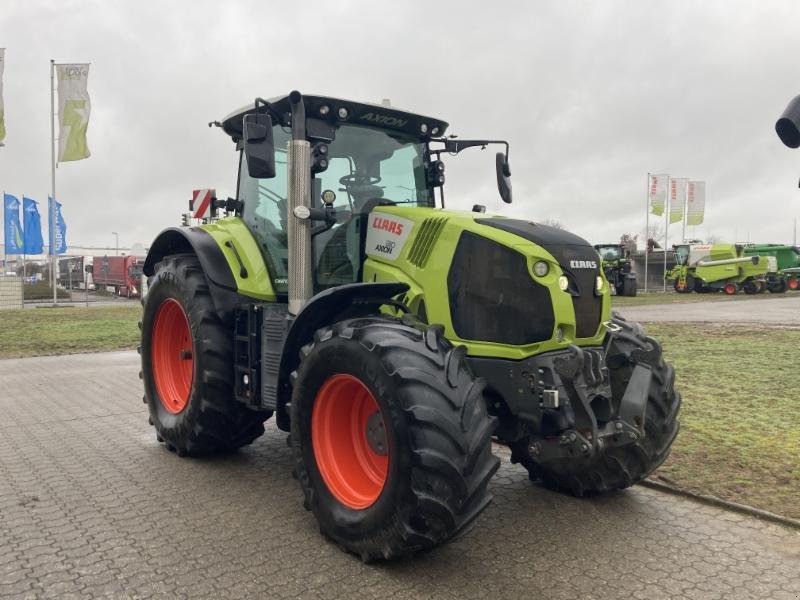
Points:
(615, 261)
(706, 268)
(786, 273)
(392, 338)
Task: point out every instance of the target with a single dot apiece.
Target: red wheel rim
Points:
(349, 441)
(171, 356)
(730, 289)
(794, 284)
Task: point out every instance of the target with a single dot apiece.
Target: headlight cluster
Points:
(541, 268)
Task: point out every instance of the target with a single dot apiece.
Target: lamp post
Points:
(116, 245)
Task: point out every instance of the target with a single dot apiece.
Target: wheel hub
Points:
(376, 434)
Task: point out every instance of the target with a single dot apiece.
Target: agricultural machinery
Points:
(615, 261)
(706, 268)
(787, 265)
(391, 337)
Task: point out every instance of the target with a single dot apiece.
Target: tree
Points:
(31, 268)
(629, 241)
(551, 222)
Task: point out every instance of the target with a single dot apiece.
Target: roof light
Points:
(324, 109)
(424, 128)
(343, 114)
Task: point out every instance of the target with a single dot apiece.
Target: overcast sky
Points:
(591, 95)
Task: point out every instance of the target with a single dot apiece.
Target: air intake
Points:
(425, 240)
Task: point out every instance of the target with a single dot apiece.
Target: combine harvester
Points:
(618, 268)
(787, 258)
(706, 268)
(392, 337)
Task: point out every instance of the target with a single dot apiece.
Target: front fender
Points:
(328, 307)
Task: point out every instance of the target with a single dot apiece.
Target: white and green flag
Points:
(677, 199)
(696, 204)
(73, 111)
(657, 194)
(2, 110)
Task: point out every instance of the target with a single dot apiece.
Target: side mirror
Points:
(259, 147)
(788, 126)
(503, 177)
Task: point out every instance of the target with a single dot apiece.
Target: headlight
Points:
(541, 268)
(563, 283)
(599, 284)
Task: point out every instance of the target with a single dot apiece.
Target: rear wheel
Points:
(793, 284)
(730, 289)
(187, 365)
(391, 436)
(629, 287)
(777, 287)
(621, 466)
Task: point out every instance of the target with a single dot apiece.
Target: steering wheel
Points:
(357, 179)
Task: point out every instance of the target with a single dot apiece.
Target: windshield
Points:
(681, 254)
(367, 167)
(609, 253)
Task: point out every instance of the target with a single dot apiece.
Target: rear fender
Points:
(192, 240)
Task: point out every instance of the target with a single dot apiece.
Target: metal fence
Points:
(79, 279)
(10, 292)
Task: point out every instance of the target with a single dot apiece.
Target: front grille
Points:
(493, 296)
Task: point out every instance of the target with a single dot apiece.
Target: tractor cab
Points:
(609, 252)
(362, 156)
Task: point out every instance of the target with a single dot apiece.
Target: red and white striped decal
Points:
(201, 200)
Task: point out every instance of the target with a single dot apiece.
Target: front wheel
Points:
(391, 436)
(620, 466)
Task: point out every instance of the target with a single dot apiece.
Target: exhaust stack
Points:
(299, 192)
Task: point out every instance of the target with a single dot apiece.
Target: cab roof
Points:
(342, 111)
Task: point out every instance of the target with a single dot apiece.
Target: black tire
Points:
(211, 421)
(750, 287)
(778, 287)
(629, 287)
(438, 435)
(622, 466)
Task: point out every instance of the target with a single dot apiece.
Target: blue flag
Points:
(11, 226)
(32, 227)
(60, 243)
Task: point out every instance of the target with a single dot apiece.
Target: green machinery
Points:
(615, 261)
(787, 269)
(712, 267)
(391, 337)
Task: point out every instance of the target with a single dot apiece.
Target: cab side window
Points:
(265, 202)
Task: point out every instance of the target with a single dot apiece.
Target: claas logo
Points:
(387, 225)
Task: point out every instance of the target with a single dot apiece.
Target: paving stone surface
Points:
(92, 507)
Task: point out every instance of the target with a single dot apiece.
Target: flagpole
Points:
(646, 229)
(53, 181)
(685, 211)
(667, 202)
